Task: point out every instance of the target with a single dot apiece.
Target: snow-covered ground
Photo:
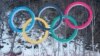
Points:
(50, 47)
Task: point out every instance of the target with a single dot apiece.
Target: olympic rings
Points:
(34, 41)
(51, 6)
(89, 18)
(54, 24)
(16, 10)
(69, 38)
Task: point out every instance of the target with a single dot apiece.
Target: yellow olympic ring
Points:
(34, 41)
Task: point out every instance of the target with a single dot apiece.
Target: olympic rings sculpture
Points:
(53, 26)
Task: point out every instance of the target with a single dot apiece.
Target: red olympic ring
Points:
(84, 25)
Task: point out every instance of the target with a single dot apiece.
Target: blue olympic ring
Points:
(16, 10)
